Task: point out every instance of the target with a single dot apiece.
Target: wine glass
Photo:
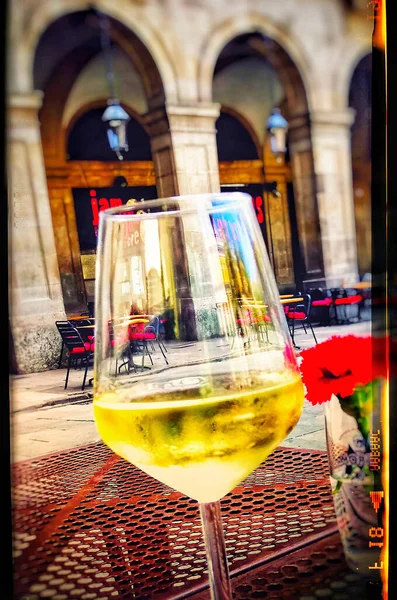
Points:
(196, 380)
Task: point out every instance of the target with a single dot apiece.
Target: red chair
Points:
(299, 313)
(343, 300)
(80, 353)
(141, 333)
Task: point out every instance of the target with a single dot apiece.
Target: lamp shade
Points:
(116, 118)
(277, 126)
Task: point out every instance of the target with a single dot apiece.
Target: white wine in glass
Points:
(196, 380)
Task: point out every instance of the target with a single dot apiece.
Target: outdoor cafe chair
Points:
(299, 313)
(141, 333)
(76, 322)
(62, 345)
(155, 327)
(322, 306)
(120, 345)
(344, 299)
(80, 353)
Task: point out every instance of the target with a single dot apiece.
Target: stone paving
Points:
(45, 418)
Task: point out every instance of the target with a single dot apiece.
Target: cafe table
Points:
(86, 331)
(89, 525)
(293, 300)
(359, 285)
(287, 300)
(130, 321)
(81, 318)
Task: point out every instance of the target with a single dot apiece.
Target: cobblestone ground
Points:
(45, 418)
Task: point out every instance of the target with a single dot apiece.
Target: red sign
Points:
(101, 204)
(258, 205)
(89, 202)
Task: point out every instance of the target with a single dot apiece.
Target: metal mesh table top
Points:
(89, 525)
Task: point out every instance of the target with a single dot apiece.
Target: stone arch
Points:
(288, 59)
(245, 124)
(54, 101)
(62, 75)
(56, 79)
(282, 51)
(346, 67)
(127, 22)
(91, 85)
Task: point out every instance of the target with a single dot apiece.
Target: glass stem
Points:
(216, 551)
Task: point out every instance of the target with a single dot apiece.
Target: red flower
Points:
(340, 364)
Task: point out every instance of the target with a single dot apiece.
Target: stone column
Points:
(35, 295)
(309, 263)
(183, 140)
(333, 167)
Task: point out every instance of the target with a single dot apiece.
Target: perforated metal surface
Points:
(89, 525)
(314, 572)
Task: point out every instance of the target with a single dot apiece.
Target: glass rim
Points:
(229, 200)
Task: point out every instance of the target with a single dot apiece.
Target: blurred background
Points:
(114, 102)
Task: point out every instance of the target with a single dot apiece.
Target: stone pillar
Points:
(183, 140)
(333, 167)
(67, 244)
(35, 295)
(309, 263)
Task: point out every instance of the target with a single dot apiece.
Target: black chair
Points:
(80, 353)
(83, 321)
(91, 309)
(299, 313)
(322, 306)
(85, 327)
(155, 327)
(63, 345)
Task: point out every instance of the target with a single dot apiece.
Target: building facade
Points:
(199, 79)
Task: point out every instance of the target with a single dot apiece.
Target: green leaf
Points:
(360, 405)
(337, 487)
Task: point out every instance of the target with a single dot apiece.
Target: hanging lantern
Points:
(277, 126)
(116, 119)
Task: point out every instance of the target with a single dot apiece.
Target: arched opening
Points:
(69, 67)
(253, 75)
(79, 32)
(239, 152)
(360, 99)
(233, 140)
(87, 139)
(87, 145)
